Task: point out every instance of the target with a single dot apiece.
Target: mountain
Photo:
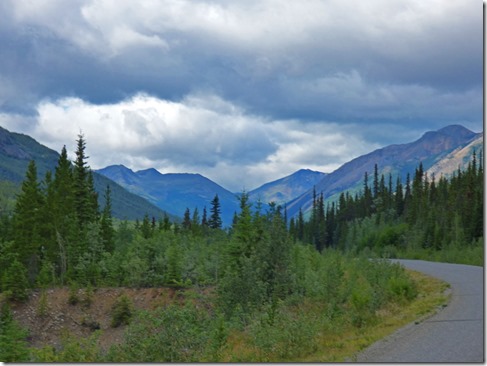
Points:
(398, 160)
(285, 189)
(17, 150)
(175, 192)
(458, 158)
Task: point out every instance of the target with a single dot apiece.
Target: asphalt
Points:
(454, 334)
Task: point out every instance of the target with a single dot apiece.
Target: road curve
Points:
(454, 334)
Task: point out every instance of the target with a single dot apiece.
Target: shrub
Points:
(73, 297)
(170, 334)
(122, 311)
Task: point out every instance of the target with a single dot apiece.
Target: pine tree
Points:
(13, 338)
(63, 215)
(215, 221)
(27, 221)
(375, 186)
(145, 228)
(86, 205)
(187, 220)
(14, 282)
(204, 219)
(107, 232)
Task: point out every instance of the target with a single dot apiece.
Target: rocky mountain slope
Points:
(285, 189)
(398, 160)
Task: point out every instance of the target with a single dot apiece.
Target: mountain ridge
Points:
(284, 189)
(175, 192)
(397, 159)
(17, 150)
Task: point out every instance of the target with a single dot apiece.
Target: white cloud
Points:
(200, 134)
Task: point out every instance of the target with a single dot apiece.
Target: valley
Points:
(80, 283)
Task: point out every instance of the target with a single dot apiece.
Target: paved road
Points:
(454, 334)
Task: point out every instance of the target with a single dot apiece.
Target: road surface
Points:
(454, 334)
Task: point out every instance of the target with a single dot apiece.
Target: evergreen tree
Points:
(107, 232)
(204, 219)
(86, 205)
(64, 214)
(187, 220)
(14, 282)
(215, 221)
(27, 222)
(145, 228)
(13, 338)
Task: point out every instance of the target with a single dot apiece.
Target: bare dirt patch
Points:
(49, 319)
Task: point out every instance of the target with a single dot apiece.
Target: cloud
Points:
(200, 134)
(278, 58)
(231, 89)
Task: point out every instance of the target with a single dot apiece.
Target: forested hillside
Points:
(262, 290)
(397, 160)
(423, 217)
(17, 150)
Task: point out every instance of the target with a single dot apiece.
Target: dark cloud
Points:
(410, 65)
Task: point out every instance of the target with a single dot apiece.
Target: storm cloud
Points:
(260, 87)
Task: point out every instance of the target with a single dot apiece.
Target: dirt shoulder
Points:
(50, 318)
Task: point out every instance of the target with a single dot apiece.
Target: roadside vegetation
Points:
(316, 291)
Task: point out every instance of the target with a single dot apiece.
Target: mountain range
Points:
(431, 149)
(148, 191)
(17, 150)
(285, 189)
(175, 193)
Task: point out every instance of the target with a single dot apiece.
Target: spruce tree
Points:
(187, 219)
(14, 282)
(84, 192)
(64, 214)
(204, 219)
(27, 221)
(13, 338)
(215, 221)
(107, 232)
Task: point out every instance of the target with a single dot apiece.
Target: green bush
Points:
(13, 344)
(14, 282)
(171, 334)
(73, 349)
(122, 311)
(401, 288)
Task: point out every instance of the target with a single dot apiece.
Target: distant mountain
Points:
(398, 160)
(285, 189)
(17, 150)
(458, 158)
(175, 192)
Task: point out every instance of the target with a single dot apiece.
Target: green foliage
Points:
(13, 344)
(43, 306)
(215, 221)
(14, 282)
(27, 221)
(291, 333)
(73, 296)
(170, 334)
(122, 311)
(424, 218)
(73, 349)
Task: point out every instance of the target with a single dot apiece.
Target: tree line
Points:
(278, 285)
(424, 212)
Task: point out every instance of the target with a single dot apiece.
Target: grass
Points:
(341, 340)
(343, 346)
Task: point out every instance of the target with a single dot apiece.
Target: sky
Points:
(242, 92)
